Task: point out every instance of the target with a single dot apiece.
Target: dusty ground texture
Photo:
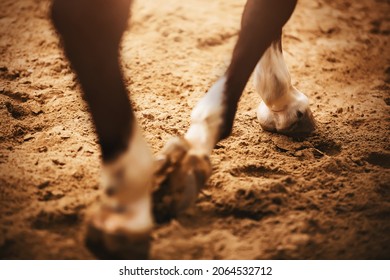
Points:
(270, 196)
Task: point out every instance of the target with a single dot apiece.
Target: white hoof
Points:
(295, 119)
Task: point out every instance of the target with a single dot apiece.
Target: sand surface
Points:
(270, 196)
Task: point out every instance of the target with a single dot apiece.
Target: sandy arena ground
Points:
(270, 196)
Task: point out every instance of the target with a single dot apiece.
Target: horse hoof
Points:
(118, 233)
(181, 174)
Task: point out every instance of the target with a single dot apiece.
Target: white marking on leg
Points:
(272, 79)
(284, 108)
(206, 119)
(131, 178)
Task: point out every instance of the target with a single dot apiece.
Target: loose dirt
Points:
(270, 197)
